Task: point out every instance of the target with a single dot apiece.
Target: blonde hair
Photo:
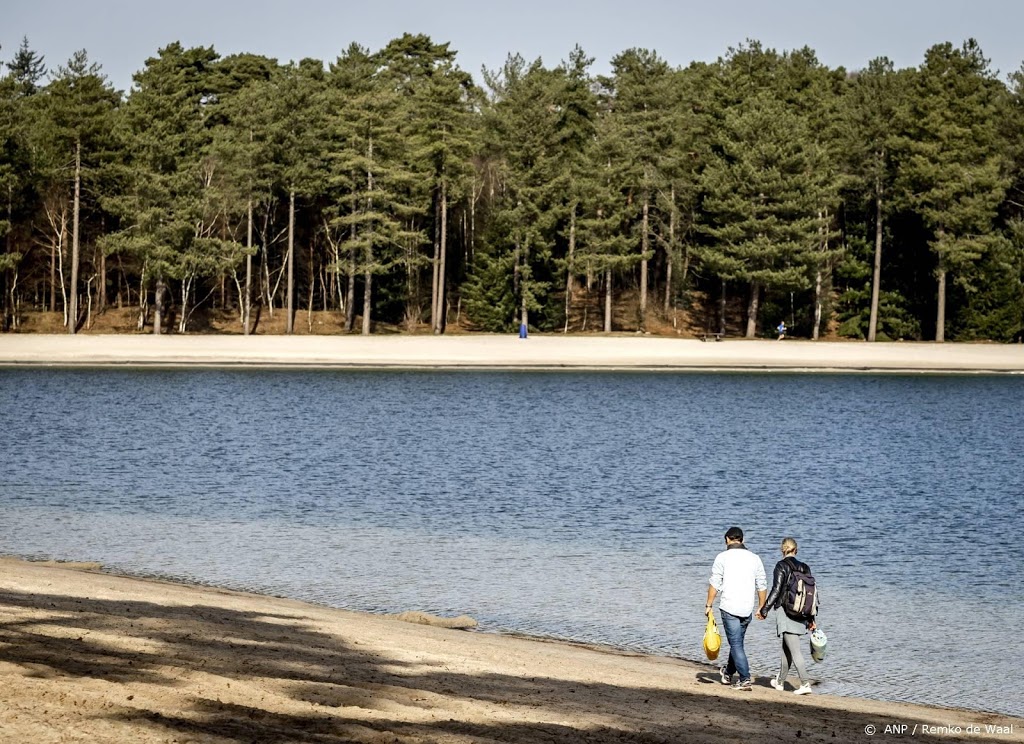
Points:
(789, 545)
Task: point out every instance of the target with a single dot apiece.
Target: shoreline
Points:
(101, 657)
(553, 352)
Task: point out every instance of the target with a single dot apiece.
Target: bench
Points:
(711, 334)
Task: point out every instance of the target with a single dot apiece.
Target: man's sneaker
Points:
(804, 689)
(743, 684)
(774, 682)
(726, 678)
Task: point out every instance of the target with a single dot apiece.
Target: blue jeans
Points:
(735, 629)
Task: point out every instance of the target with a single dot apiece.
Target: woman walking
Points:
(789, 627)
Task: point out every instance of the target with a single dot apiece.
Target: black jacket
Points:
(780, 582)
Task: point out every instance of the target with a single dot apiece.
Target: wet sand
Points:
(87, 656)
(507, 352)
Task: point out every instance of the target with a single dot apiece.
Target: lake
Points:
(583, 506)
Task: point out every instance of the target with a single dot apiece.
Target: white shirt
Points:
(737, 574)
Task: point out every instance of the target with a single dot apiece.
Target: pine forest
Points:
(392, 191)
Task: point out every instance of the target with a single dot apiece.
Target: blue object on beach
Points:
(522, 330)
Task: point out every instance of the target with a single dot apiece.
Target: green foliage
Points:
(166, 206)
(489, 297)
(761, 197)
(994, 306)
(521, 124)
(26, 69)
(764, 169)
(954, 174)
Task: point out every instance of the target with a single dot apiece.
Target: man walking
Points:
(736, 575)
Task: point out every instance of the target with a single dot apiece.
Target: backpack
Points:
(801, 597)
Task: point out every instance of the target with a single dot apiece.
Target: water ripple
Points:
(577, 506)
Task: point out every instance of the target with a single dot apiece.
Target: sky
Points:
(122, 34)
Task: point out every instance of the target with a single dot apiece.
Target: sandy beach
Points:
(87, 656)
(507, 352)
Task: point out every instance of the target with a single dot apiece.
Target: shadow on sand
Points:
(335, 678)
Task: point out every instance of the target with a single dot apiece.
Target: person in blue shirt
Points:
(782, 330)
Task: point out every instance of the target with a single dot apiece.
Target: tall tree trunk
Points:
(470, 244)
(644, 245)
(721, 309)
(290, 322)
(608, 300)
(816, 330)
(818, 302)
(158, 307)
(440, 316)
(247, 300)
(752, 307)
(53, 276)
(435, 269)
(73, 309)
(312, 289)
(14, 306)
(102, 294)
(570, 279)
(267, 292)
(524, 315)
(367, 295)
(670, 252)
(367, 274)
(186, 291)
(350, 291)
(940, 318)
(143, 304)
(876, 276)
(515, 270)
(7, 249)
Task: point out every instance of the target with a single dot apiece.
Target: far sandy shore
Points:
(92, 657)
(507, 352)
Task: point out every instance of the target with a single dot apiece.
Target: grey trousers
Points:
(792, 656)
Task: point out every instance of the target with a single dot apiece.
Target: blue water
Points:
(586, 506)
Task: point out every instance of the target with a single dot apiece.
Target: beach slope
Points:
(87, 656)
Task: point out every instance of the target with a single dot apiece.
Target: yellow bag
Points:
(712, 640)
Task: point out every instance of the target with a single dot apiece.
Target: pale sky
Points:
(121, 34)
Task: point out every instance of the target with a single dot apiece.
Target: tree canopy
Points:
(390, 188)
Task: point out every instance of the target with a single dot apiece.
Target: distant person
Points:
(789, 626)
(782, 330)
(736, 575)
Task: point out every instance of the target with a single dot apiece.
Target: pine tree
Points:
(761, 196)
(641, 101)
(299, 96)
(164, 220)
(575, 130)
(954, 172)
(814, 93)
(26, 69)
(439, 100)
(79, 107)
(871, 125)
(14, 170)
(371, 154)
(243, 154)
(520, 135)
(604, 227)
